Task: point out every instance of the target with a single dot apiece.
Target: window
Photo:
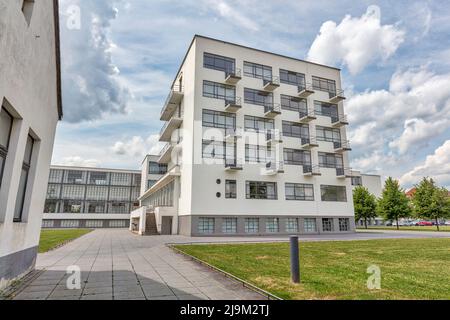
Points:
(98, 178)
(261, 190)
(26, 165)
(72, 206)
(55, 176)
(6, 122)
(294, 104)
(96, 193)
(94, 224)
(328, 134)
(218, 150)
(117, 223)
(219, 91)
(297, 157)
(220, 63)
(251, 225)
(229, 225)
(258, 124)
(327, 225)
(293, 78)
(96, 206)
(230, 189)
(258, 71)
(357, 181)
(298, 191)
(51, 206)
(53, 191)
(119, 207)
(334, 193)
(295, 130)
(221, 120)
(258, 154)
(261, 98)
(74, 177)
(70, 223)
(151, 183)
(157, 168)
(48, 224)
(344, 224)
(73, 192)
(330, 160)
(326, 109)
(206, 225)
(272, 225)
(119, 194)
(292, 225)
(326, 85)
(309, 225)
(120, 179)
(27, 10)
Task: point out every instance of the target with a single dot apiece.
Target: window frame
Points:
(327, 225)
(324, 84)
(298, 194)
(210, 222)
(333, 193)
(216, 91)
(4, 149)
(267, 101)
(258, 71)
(290, 133)
(294, 103)
(216, 116)
(290, 82)
(289, 156)
(335, 133)
(336, 163)
(225, 60)
(229, 192)
(229, 228)
(269, 124)
(262, 192)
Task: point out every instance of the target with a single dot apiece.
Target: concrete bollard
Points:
(295, 260)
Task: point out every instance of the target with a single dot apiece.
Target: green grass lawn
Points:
(411, 269)
(51, 239)
(413, 228)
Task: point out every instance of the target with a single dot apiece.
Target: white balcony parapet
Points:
(339, 121)
(336, 97)
(272, 110)
(307, 116)
(166, 132)
(344, 173)
(233, 76)
(233, 164)
(274, 167)
(311, 171)
(341, 147)
(166, 153)
(305, 91)
(231, 134)
(172, 103)
(309, 143)
(233, 105)
(273, 137)
(271, 84)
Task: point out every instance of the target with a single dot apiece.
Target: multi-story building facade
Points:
(373, 184)
(151, 171)
(256, 144)
(30, 107)
(90, 197)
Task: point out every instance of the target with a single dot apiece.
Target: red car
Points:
(424, 224)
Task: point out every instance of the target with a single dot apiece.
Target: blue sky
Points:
(395, 60)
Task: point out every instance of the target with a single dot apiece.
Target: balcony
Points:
(273, 137)
(311, 171)
(233, 105)
(233, 165)
(166, 153)
(271, 84)
(305, 91)
(343, 173)
(233, 77)
(309, 143)
(232, 134)
(272, 110)
(339, 121)
(307, 116)
(273, 168)
(173, 101)
(341, 147)
(336, 97)
(166, 132)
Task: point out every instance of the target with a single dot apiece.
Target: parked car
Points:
(424, 224)
(447, 223)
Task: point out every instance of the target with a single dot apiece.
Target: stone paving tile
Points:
(192, 297)
(97, 297)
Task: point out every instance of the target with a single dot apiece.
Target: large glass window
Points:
(297, 157)
(6, 121)
(292, 225)
(26, 165)
(98, 178)
(298, 191)
(258, 71)
(119, 194)
(121, 179)
(70, 223)
(151, 183)
(309, 225)
(344, 224)
(96, 193)
(230, 189)
(73, 192)
(357, 181)
(53, 191)
(261, 98)
(258, 154)
(219, 91)
(261, 190)
(229, 225)
(218, 150)
(119, 207)
(327, 225)
(328, 134)
(55, 176)
(326, 85)
(334, 193)
(96, 206)
(258, 124)
(294, 104)
(94, 224)
(206, 225)
(217, 119)
(326, 109)
(220, 63)
(293, 78)
(295, 130)
(72, 206)
(51, 206)
(251, 225)
(330, 160)
(74, 177)
(272, 225)
(157, 168)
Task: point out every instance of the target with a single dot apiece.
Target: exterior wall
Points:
(145, 172)
(59, 218)
(373, 184)
(29, 91)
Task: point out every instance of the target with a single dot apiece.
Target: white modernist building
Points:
(91, 197)
(374, 185)
(256, 145)
(30, 107)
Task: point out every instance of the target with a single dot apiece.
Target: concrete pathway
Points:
(116, 264)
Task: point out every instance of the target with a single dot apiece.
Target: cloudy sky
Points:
(120, 56)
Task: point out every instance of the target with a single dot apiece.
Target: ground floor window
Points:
(327, 225)
(51, 206)
(96, 206)
(229, 225)
(292, 225)
(206, 225)
(272, 225)
(94, 224)
(119, 207)
(48, 223)
(309, 225)
(118, 224)
(70, 223)
(251, 225)
(70, 206)
(344, 224)
(333, 193)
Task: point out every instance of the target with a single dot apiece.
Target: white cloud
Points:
(77, 161)
(436, 166)
(226, 11)
(138, 147)
(356, 42)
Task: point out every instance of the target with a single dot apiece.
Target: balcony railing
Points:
(172, 102)
(233, 164)
(274, 167)
(309, 143)
(271, 84)
(304, 91)
(338, 96)
(231, 134)
(339, 120)
(344, 173)
(233, 104)
(271, 110)
(310, 170)
(233, 76)
(274, 137)
(341, 147)
(306, 116)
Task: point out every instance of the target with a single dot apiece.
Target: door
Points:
(166, 226)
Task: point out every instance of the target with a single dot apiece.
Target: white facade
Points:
(90, 197)
(372, 182)
(30, 101)
(203, 174)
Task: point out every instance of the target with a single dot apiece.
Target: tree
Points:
(430, 201)
(365, 204)
(393, 203)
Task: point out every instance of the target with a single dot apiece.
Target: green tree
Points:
(430, 201)
(365, 204)
(393, 203)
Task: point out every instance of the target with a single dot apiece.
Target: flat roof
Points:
(92, 169)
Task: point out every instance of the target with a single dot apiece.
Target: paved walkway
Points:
(115, 264)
